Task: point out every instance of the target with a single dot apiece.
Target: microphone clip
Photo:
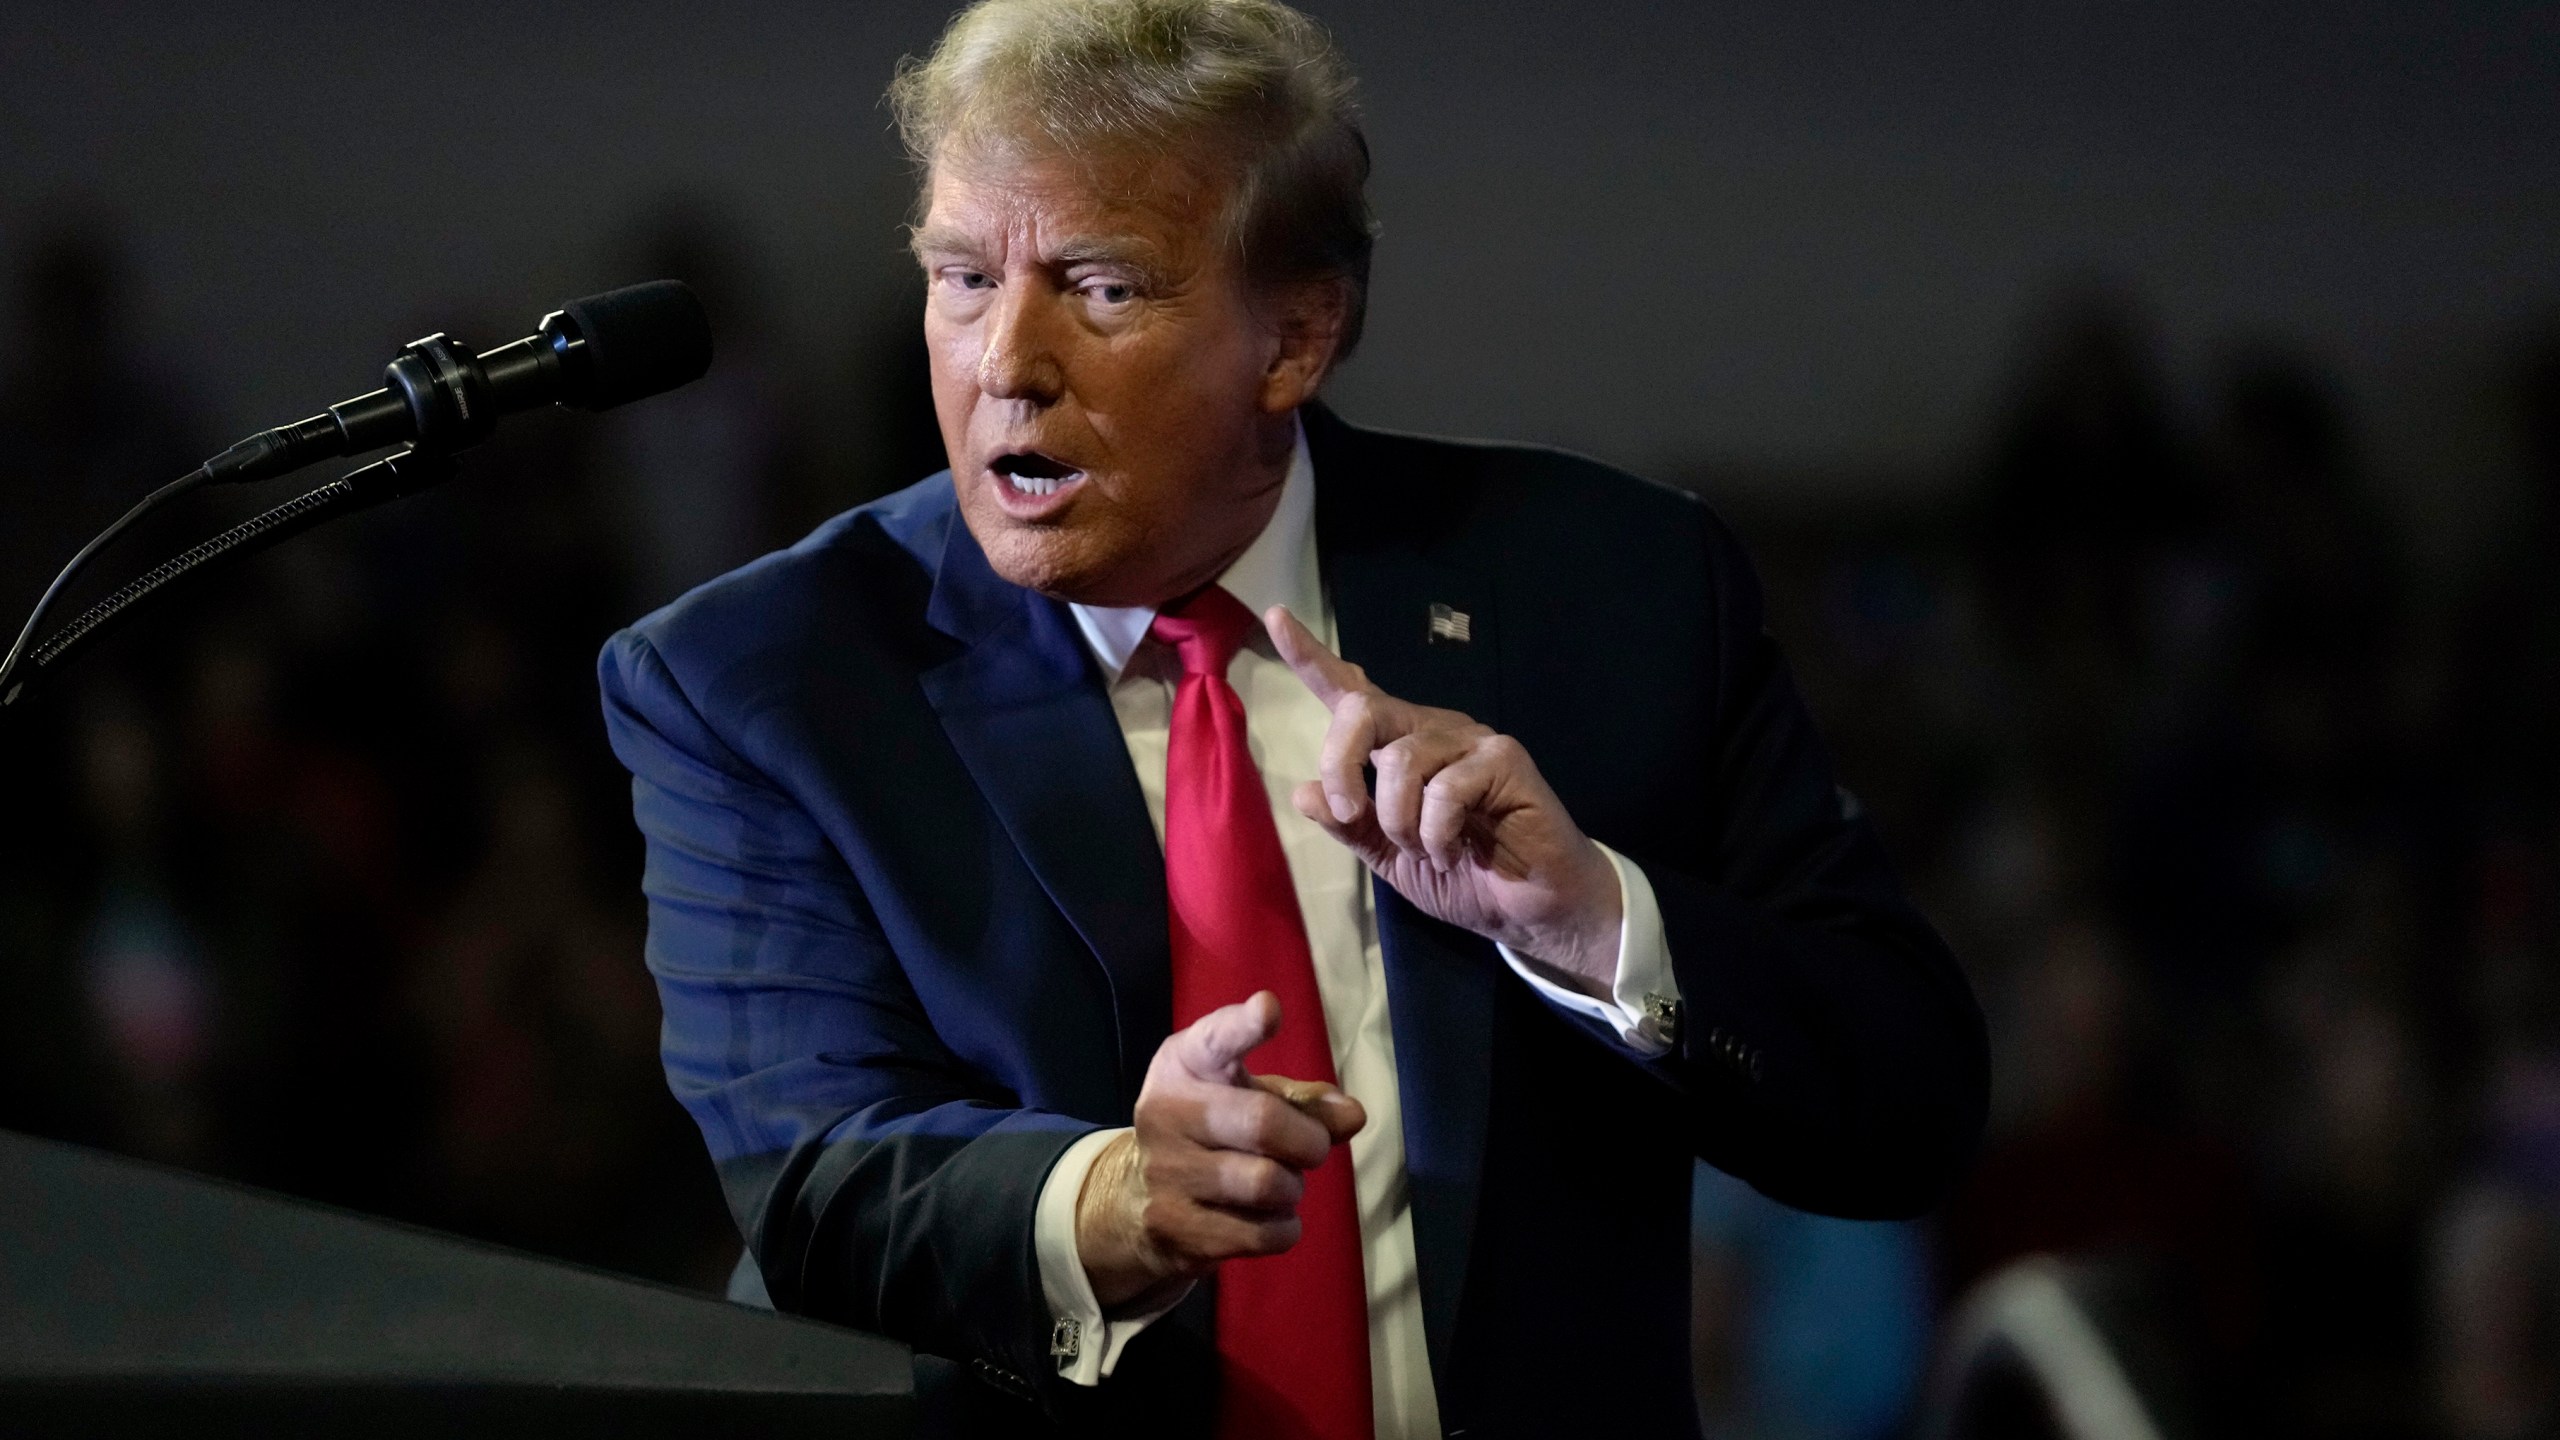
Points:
(446, 392)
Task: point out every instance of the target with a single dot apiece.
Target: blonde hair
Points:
(1256, 81)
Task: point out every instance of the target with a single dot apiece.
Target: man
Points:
(1055, 986)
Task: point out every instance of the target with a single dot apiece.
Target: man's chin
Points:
(1091, 556)
(1058, 562)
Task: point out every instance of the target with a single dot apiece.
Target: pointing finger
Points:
(1340, 1114)
(1329, 675)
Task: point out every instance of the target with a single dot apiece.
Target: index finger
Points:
(1340, 1114)
(1329, 675)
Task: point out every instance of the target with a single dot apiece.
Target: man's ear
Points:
(1306, 321)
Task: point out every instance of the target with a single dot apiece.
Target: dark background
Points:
(2148, 421)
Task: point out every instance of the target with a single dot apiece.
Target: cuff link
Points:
(1066, 1338)
(1662, 1014)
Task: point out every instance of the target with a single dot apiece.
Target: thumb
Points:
(1214, 1046)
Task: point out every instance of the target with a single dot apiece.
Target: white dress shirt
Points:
(1285, 726)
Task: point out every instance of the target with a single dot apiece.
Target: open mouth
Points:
(1028, 472)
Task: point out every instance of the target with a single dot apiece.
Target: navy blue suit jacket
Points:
(907, 918)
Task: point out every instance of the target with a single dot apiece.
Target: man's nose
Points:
(1019, 361)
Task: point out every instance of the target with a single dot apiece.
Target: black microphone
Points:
(593, 354)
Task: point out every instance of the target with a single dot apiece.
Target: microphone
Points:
(593, 354)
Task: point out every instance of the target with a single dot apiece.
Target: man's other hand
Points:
(1215, 1165)
(1463, 825)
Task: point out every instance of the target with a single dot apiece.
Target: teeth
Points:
(1036, 484)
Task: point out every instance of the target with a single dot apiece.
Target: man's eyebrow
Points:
(1106, 250)
(941, 240)
(1137, 258)
(1126, 252)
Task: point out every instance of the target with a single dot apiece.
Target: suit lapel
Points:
(1383, 582)
(1035, 727)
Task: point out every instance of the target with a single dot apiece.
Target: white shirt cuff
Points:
(1644, 1002)
(1085, 1343)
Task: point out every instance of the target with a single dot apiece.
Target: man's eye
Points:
(1112, 292)
(973, 279)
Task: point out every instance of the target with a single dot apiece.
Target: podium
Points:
(141, 1301)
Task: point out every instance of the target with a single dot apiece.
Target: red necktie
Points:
(1293, 1329)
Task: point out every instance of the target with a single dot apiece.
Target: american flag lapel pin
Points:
(1448, 626)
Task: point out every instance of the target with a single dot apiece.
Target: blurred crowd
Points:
(2248, 832)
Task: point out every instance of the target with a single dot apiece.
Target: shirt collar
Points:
(1278, 568)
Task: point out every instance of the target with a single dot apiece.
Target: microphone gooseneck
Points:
(35, 618)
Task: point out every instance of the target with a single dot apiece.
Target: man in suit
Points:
(1204, 919)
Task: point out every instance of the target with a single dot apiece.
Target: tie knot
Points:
(1206, 628)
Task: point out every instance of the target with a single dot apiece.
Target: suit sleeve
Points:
(1829, 1046)
(878, 1181)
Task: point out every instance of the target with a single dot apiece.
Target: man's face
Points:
(1115, 411)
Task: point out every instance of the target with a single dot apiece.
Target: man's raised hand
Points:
(1463, 825)
(1215, 1164)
